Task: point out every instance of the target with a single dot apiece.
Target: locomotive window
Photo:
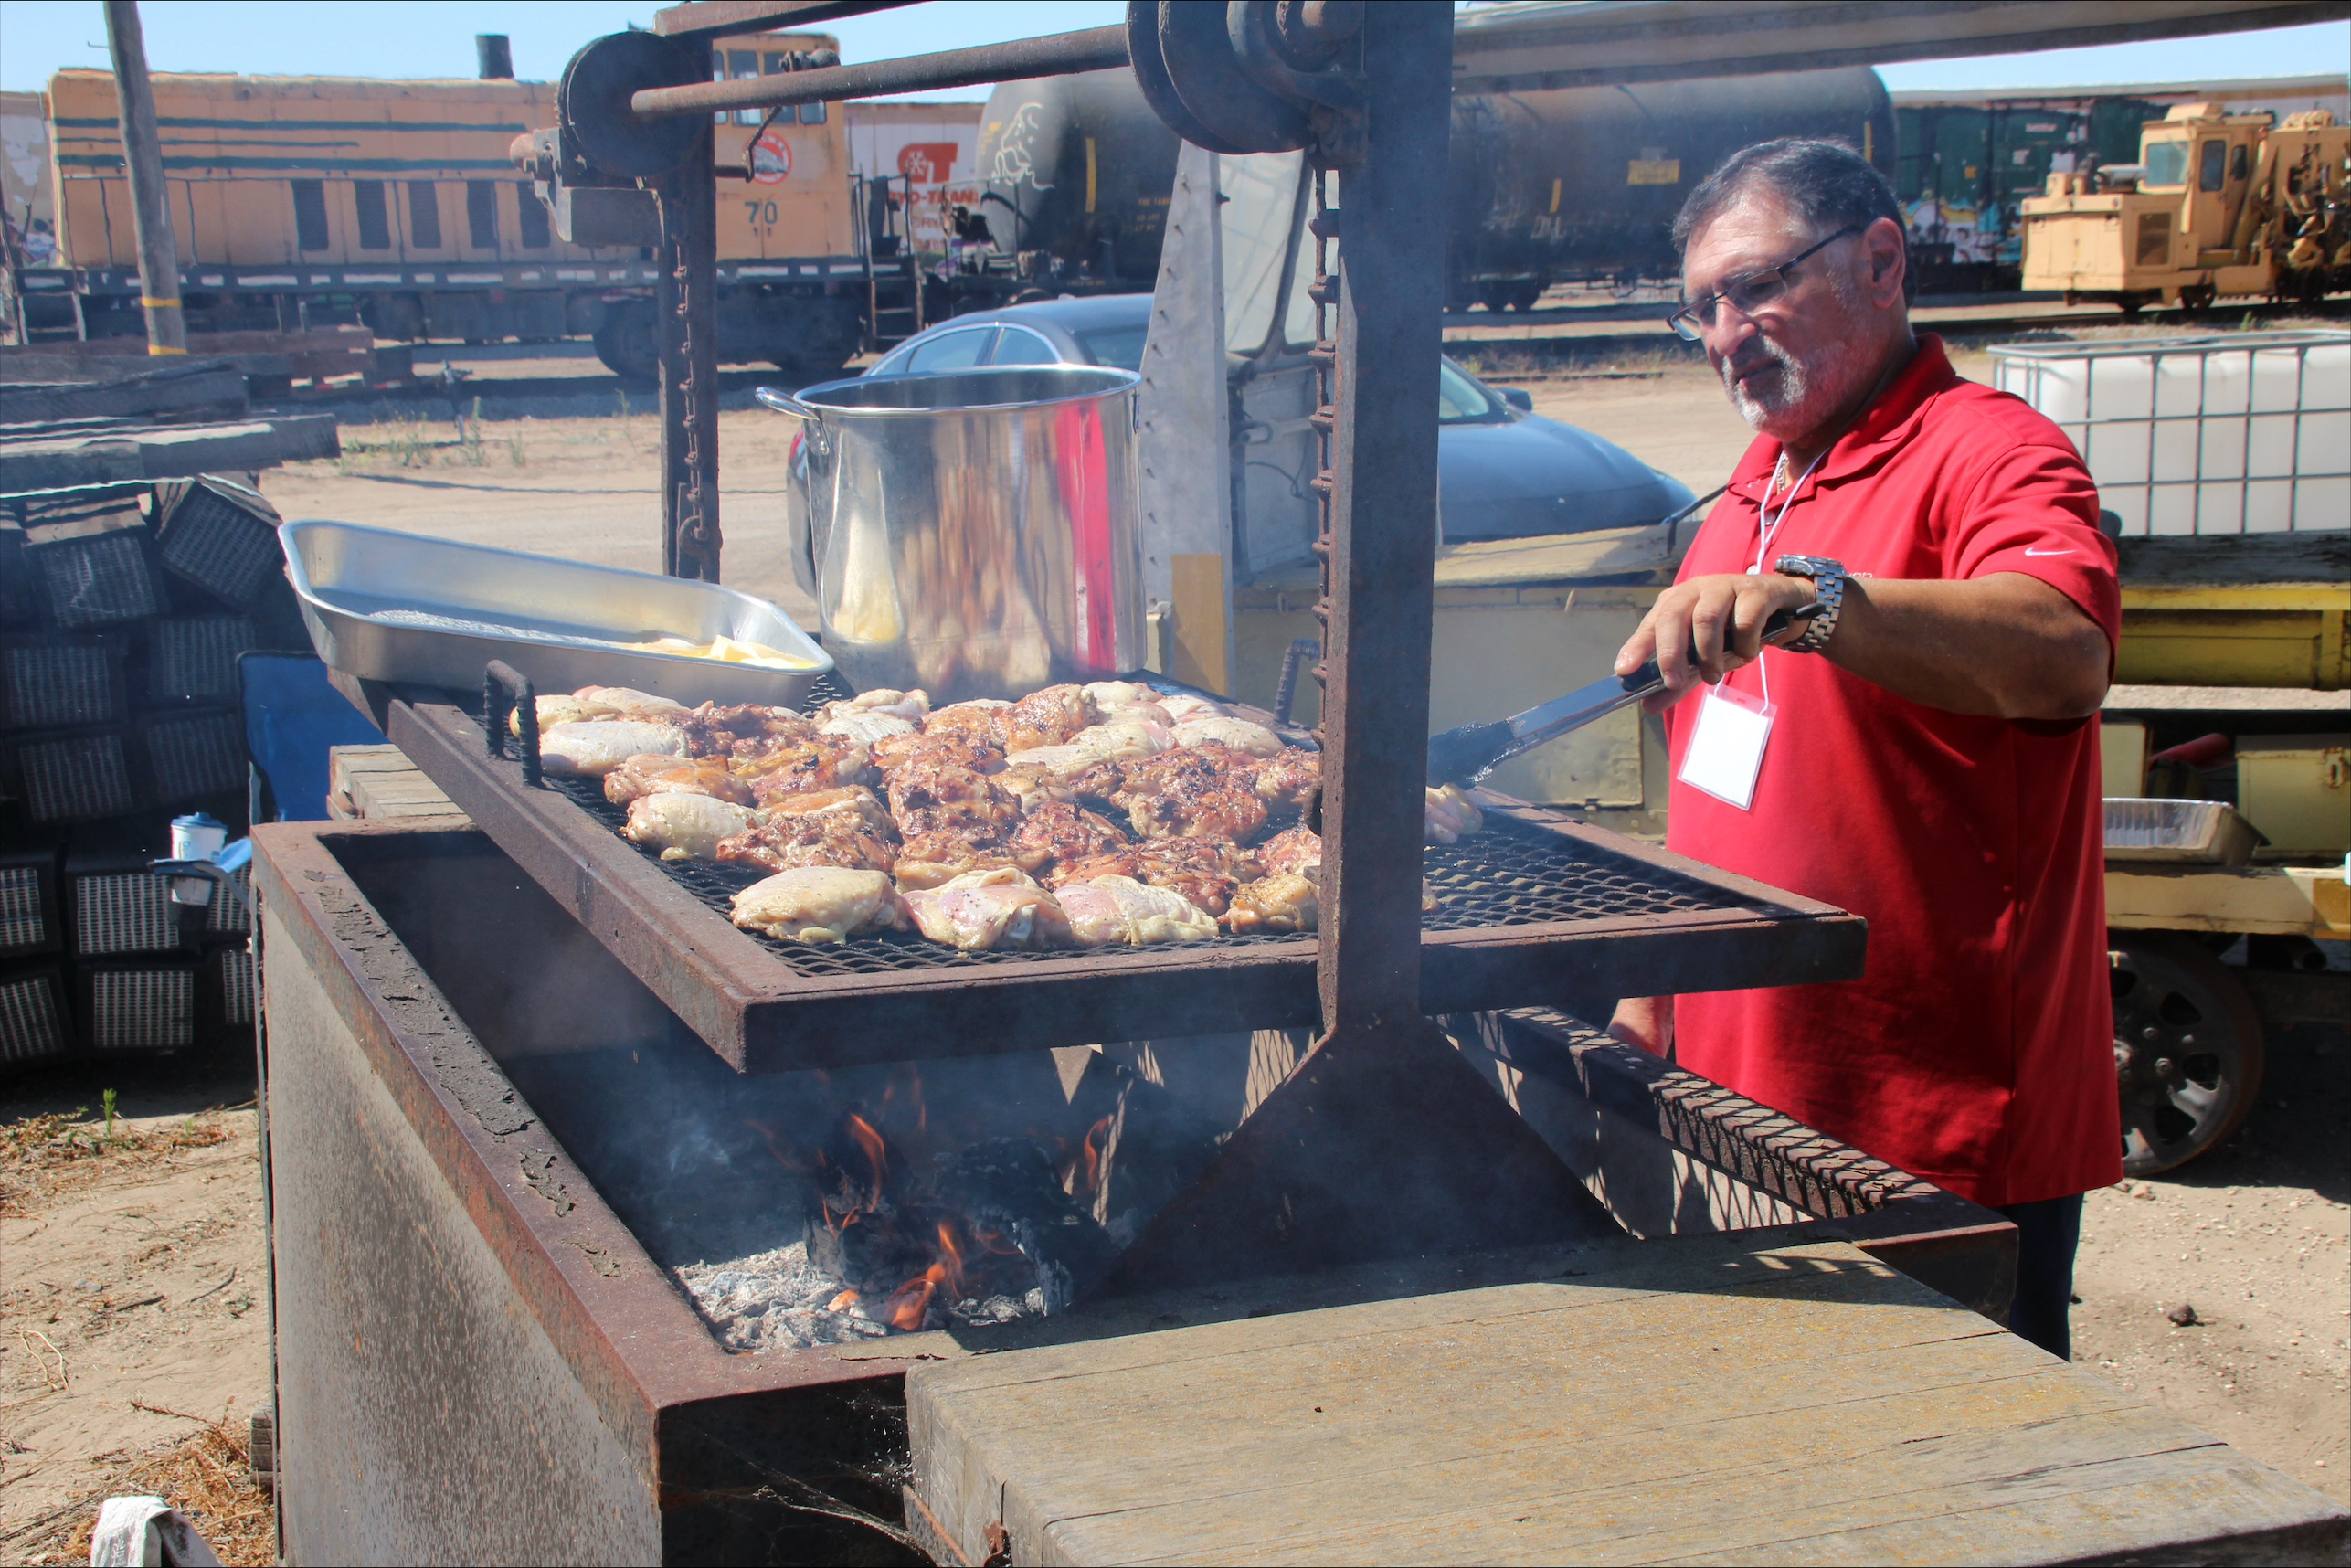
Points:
(745, 63)
(310, 214)
(481, 213)
(2166, 164)
(534, 214)
(811, 113)
(375, 223)
(2211, 161)
(1019, 345)
(424, 215)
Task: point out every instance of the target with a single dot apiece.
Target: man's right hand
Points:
(1722, 617)
(1646, 1022)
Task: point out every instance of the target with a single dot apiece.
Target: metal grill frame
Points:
(761, 1016)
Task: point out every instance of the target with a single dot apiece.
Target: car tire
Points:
(2188, 1048)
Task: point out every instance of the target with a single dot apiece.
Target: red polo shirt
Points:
(1977, 1049)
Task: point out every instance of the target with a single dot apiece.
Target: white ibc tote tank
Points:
(2229, 433)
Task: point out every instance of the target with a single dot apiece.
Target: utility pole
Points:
(142, 158)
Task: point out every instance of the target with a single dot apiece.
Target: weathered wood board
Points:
(1714, 1400)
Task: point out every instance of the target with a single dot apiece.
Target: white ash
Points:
(780, 1301)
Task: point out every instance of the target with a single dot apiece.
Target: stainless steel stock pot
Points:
(974, 533)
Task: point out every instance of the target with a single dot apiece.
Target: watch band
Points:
(1828, 585)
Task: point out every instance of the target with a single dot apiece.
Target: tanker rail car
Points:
(310, 200)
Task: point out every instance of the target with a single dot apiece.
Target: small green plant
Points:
(515, 449)
(469, 437)
(106, 1101)
(624, 396)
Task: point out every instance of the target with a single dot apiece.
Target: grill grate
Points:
(195, 659)
(33, 1022)
(22, 926)
(76, 778)
(98, 579)
(1510, 874)
(221, 548)
(60, 684)
(124, 912)
(142, 1010)
(203, 754)
(235, 986)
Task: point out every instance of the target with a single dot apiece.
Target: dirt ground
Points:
(125, 1268)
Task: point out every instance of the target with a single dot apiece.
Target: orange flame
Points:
(910, 1303)
(843, 1302)
(1084, 1175)
(877, 1152)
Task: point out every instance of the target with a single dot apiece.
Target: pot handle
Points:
(785, 402)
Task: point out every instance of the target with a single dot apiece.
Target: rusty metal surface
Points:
(1062, 54)
(767, 1007)
(687, 304)
(723, 18)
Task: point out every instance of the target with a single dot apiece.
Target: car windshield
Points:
(2166, 164)
(1121, 348)
(1460, 401)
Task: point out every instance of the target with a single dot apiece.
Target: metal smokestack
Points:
(497, 59)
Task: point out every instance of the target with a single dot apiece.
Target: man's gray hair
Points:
(1825, 183)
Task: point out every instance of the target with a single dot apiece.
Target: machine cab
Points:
(2208, 158)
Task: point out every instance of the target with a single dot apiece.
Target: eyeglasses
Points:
(1749, 293)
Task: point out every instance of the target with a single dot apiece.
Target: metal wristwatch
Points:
(1828, 585)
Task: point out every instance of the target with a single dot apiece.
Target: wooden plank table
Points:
(1764, 1398)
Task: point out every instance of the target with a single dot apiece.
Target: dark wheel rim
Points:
(2186, 1057)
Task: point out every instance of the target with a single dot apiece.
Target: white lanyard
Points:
(1767, 529)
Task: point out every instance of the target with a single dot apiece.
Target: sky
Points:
(435, 38)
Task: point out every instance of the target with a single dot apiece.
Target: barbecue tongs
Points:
(1467, 754)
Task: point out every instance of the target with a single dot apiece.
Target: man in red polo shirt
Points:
(1926, 752)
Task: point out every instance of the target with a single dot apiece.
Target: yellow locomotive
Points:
(303, 199)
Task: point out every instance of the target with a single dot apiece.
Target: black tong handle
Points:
(1649, 677)
(499, 679)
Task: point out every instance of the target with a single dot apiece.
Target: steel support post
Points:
(688, 305)
(142, 159)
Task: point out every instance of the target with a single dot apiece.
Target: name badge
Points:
(1726, 748)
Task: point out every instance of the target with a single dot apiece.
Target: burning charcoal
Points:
(1006, 1187)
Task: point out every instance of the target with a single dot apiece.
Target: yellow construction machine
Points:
(2219, 204)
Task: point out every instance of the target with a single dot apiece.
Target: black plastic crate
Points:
(227, 916)
(193, 659)
(139, 1005)
(31, 912)
(232, 979)
(74, 776)
(17, 596)
(36, 1024)
(59, 681)
(95, 572)
(223, 537)
(191, 756)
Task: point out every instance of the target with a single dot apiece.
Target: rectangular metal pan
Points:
(1537, 911)
(387, 606)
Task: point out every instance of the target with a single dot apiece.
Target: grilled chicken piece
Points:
(961, 747)
(932, 859)
(1059, 831)
(1184, 705)
(977, 719)
(941, 797)
(780, 843)
(596, 702)
(1046, 718)
(1138, 712)
(820, 903)
(1293, 852)
(800, 767)
(1105, 697)
(684, 826)
(1225, 730)
(1452, 815)
(1098, 744)
(1203, 871)
(851, 801)
(596, 747)
(866, 728)
(1108, 911)
(655, 773)
(984, 909)
(1193, 791)
(742, 729)
(1287, 782)
(1275, 904)
(913, 707)
(1032, 788)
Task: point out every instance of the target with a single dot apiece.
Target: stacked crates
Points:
(123, 610)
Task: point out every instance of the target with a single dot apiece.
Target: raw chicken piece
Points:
(657, 773)
(1184, 705)
(1105, 695)
(1193, 791)
(1293, 852)
(913, 707)
(851, 801)
(985, 909)
(928, 859)
(1056, 831)
(1452, 815)
(1046, 718)
(940, 796)
(1287, 782)
(596, 747)
(820, 903)
(1275, 904)
(783, 842)
(1237, 733)
(798, 767)
(626, 700)
(1109, 910)
(1138, 712)
(867, 727)
(682, 826)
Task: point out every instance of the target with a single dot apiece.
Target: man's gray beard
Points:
(1802, 397)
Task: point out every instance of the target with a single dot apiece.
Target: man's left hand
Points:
(1721, 616)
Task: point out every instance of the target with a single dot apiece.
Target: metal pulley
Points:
(599, 128)
(1251, 76)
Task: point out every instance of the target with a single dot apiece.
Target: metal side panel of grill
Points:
(36, 1024)
(147, 1006)
(1538, 911)
(61, 682)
